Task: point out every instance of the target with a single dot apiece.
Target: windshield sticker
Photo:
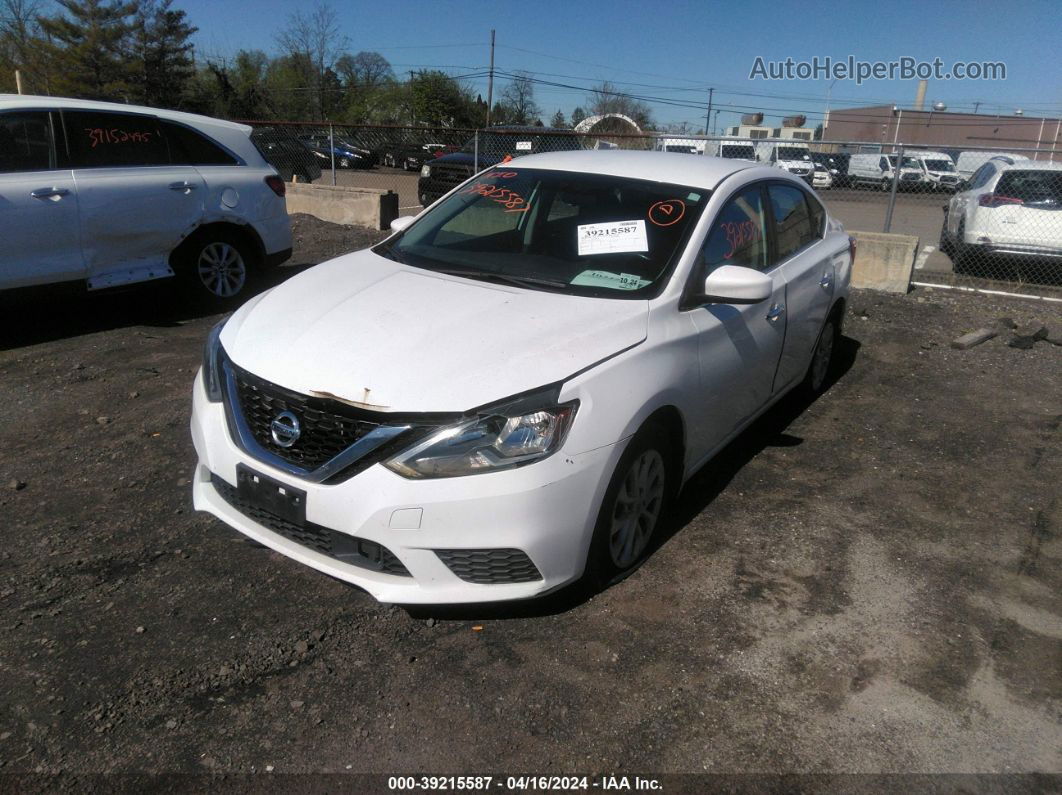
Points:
(613, 237)
(667, 212)
(512, 201)
(615, 281)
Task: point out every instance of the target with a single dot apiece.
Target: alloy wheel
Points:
(222, 270)
(637, 508)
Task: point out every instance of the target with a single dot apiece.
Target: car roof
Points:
(15, 101)
(1027, 165)
(673, 167)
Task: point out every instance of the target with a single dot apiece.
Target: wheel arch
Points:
(244, 232)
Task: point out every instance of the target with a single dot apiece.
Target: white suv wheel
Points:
(221, 269)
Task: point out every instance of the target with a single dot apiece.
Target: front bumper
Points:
(546, 510)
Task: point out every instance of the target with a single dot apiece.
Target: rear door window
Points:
(26, 141)
(111, 140)
(793, 225)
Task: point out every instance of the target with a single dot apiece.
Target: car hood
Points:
(388, 337)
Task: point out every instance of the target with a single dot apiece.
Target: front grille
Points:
(449, 175)
(489, 566)
(326, 427)
(910, 177)
(340, 546)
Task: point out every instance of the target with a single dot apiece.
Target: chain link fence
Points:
(984, 218)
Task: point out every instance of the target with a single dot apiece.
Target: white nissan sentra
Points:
(504, 396)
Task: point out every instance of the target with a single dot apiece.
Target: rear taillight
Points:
(276, 184)
(851, 250)
(997, 200)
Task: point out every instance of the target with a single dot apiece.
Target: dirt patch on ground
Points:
(869, 583)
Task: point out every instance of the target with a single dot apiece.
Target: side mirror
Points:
(734, 284)
(400, 224)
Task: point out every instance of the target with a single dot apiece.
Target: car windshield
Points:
(584, 234)
(940, 165)
(792, 153)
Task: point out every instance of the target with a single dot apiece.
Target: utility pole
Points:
(976, 106)
(490, 78)
(18, 81)
(708, 115)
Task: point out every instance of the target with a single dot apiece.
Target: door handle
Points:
(775, 312)
(826, 281)
(47, 193)
(186, 186)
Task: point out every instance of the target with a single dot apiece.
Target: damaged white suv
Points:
(505, 395)
(111, 195)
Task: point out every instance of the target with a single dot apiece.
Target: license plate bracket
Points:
(271, 495)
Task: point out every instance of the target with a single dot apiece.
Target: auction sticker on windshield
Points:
(615, 281)
(613, 237)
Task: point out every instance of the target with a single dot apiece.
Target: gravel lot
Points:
(869, 583)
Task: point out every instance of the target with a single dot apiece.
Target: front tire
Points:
(638, 498)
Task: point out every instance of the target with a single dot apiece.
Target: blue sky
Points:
(676, 50)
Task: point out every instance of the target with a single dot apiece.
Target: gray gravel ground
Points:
(869, 583)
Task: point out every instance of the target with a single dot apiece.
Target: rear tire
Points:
(216, 265)
(636, 502)
(822, 357)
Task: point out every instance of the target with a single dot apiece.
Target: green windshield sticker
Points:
(615, 281)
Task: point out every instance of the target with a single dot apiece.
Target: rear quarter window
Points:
(1031, 185)
(191, 148)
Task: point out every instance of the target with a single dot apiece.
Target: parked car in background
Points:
(791, 156)
(111, 195)
(968, 162)
(494, 145)
(335, 149)
(413, 156)
(735, 149)
(938, 170)
(507, 394)
(837, 164)
(286, 153)
(821, 178)
(686, 146)
(877, 170)
(1010, 208)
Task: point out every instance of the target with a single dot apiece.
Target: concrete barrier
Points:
(370, 207)
(883, 261)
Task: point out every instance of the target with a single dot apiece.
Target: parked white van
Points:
(732, 149)
(938, 170)
(112, 195)
(689, 146)
(969, 162)
(792, 156)
(877, 169)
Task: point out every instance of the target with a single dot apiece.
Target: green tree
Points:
(439, 100)
(89, 47)
(313, 43)
(164, 49)
(558, 121)
(578, 115)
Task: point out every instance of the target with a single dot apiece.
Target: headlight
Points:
(425, 171)
(212, 364)
(501, 437)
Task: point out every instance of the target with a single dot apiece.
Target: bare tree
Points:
(366, 70)
(19, 33)
(605, 98)
(519, 97)
(315, 40)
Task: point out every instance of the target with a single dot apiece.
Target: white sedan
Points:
(821, 178)
(505, 395)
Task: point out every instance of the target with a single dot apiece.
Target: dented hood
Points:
(390, 337)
